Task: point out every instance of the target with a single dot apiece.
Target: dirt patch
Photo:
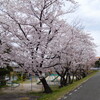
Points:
(17, 96)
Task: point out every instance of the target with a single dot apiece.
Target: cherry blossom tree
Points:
(34, 34)
(5, 49)
(76, 56)
(32, 26)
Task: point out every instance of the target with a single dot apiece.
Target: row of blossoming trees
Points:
(34, 34)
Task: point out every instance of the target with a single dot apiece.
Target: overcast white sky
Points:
(89, 14)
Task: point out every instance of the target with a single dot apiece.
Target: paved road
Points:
(17, 97)
(89, 90)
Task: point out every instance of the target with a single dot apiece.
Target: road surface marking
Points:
(78, 88)
(70, 94)
(81, 86)
(75, 90)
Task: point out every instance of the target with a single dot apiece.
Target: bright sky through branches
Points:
(88, 13)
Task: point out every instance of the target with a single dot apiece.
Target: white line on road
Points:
(78, 88)
(75, 90)
(70, 94)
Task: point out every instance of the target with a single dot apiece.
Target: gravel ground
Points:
(13, 96)
(23, 88)
(20, 92)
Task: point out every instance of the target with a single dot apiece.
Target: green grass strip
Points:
(58, 93)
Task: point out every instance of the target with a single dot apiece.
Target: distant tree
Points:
(97, 63)
(3, 72)
(76, 56)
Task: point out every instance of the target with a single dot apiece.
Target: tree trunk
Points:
(47, 89)
(2, 81)
(69, 79)
(63, 81)
(73, 75)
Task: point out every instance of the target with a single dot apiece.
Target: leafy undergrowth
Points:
(60, 92)
(3, 86)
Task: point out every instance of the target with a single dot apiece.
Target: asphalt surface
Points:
(90, 90)
(13, 96)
